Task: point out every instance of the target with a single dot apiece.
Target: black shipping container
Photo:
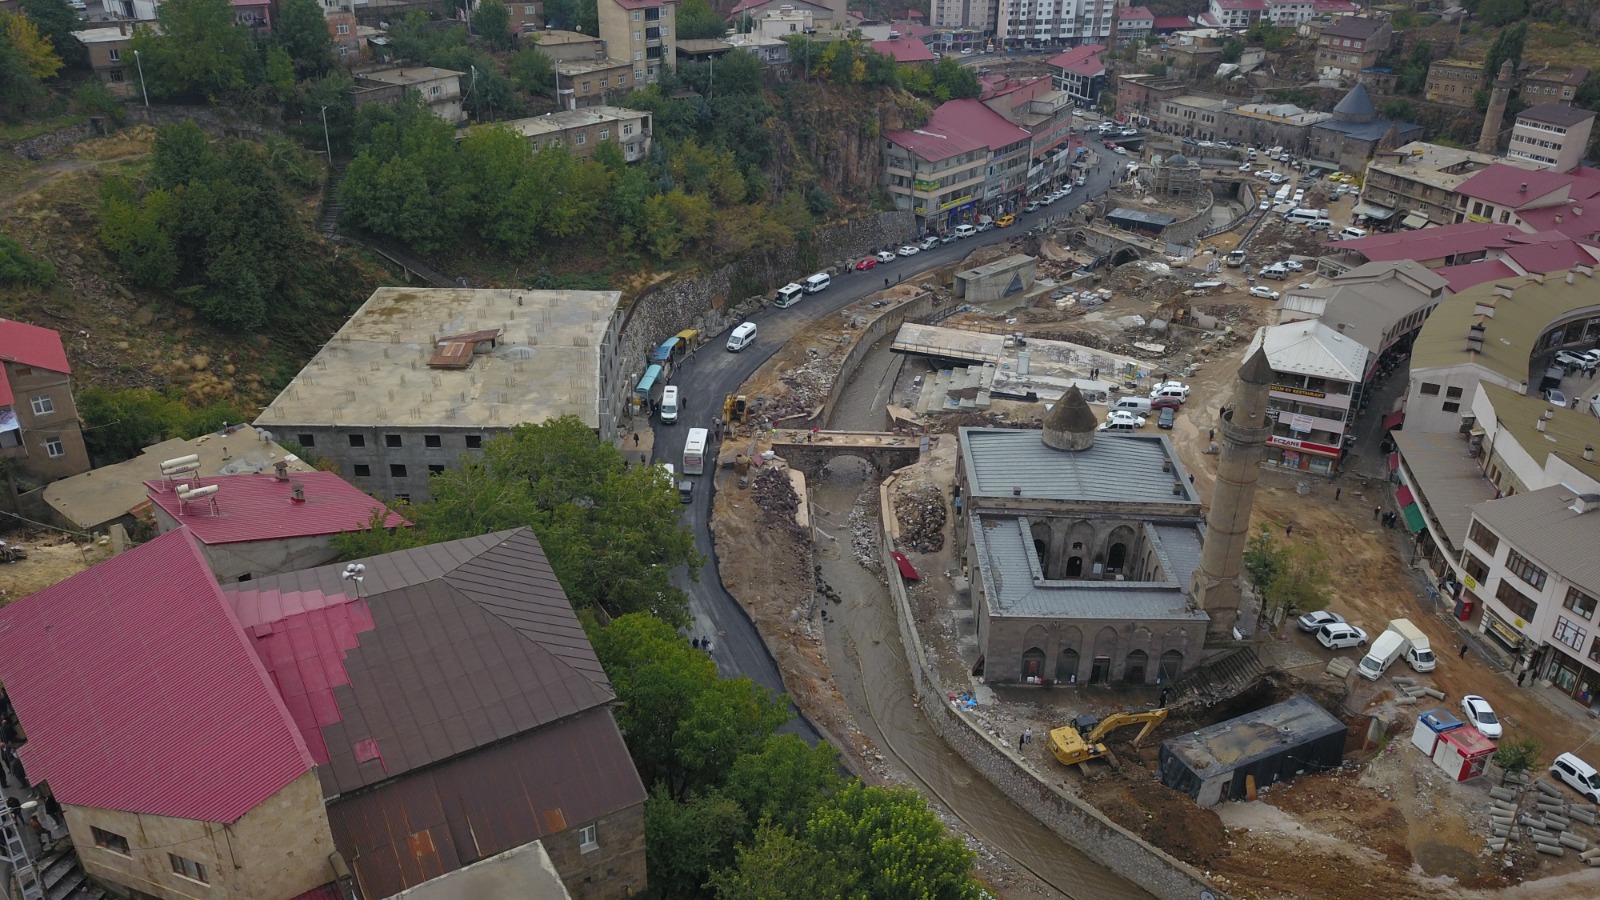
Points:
(1272, 744)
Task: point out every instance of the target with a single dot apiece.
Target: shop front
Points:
(1500, 632)
(1301, 456)
(1570, 676)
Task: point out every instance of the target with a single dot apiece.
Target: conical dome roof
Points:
(1178, 159)
(1356, 106)
(1070, 424)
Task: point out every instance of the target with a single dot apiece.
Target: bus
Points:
(694, 451)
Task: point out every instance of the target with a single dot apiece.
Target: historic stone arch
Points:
(1068, 658)
(1105, 651)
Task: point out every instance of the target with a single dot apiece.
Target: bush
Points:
(1518, 755)
(18, 266)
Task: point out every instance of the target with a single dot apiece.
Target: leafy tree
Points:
(18, 266)
(182, 153)
(779, 866)
(534, 72)
(199, 51)
(414, 37)
(697, 20)
(888, 843)
(1414, 74)
(953, 81)
(1517, 755)
(686, 842)
(484, 91)
(1289, 577)
(785, 781)
(573, 15)
(57, 21)
(1507, 45)
(329, 95)
(38, 53)
(493, 22)
(1232, 49)
(122, 422)
(303, 33)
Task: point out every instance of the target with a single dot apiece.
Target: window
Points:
(605, 134)
(434, 91)
(474, 442)
(391, 440)
(636, 37)
(435, 470)
(1483, 537)
(1451, 407)
(116, 76)
(1516, 601)
(1429, 389)
(1568, 632)
(1594, 649)
(1580, 603)
(306, 441)
(432, 441)
(1525, 569)
(116, 55)
(363, 470)
(403, 498)
(396, 470)
(582, 139)
(1476, 568)
(53, 447)
(530, 10)
(358, 440)
(43, 406)
(636, 15)
(585, 87)
(342, 28)
(1454, 393)
(587, 840)
(188, 868)
(109, 840)
(627, 131)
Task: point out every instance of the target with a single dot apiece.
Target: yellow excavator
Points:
(1080, 741)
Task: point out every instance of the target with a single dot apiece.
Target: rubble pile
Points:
(810, 382)
(774, 493)
(921, 512)
(864, 530)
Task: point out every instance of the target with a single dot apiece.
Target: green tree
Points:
(953, 81)
(1232, 49)
(1508, 44)
(38, 53)
(1414, 74)
(182, 153)
(18, 266)
(686, 842)
(493, 22)
(1289, 577)
(573, 15)
(784, 781)
(122, 422)
(888, 843)
(779, 866)
(199, 51)
(533, 71)
(1517, 755)
(697, 20)
(303, 33)
(57, 21)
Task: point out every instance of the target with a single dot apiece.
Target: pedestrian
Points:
(885, 281)
(636, 439)
(706, 646)
(1211, 434)
(1521, 675)
(1336, 492)
(898, 277)
(1162, 703)
(9, 757)
(39, 829)
(1288, 529)
(1464, 649)
(696, 642)
(1376, 510)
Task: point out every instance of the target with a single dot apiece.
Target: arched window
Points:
(1171, 664)
(1067, 666)
(1133, 672)
(1074, 567)
(1032, 663)
(1117, 557)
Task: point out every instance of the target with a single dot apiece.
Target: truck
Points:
(1235, 259)
(1401, 638)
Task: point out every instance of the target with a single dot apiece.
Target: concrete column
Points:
(1244, 432)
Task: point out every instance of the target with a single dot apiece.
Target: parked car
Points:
(1292, 265)
(870, 262)
(1033, 206)
(1168, 402)
(1312, 621)
(1299, 194)
(1265, 205)
(1575, 360)
(1481, 716)
(1110, 145)
(885, 256)
(947, 237)
(1262, 290)
(1245, 167)
(1123, 417)
(909, 250)
(1555, 398)
(1120, 150)
(1339, 635)
(1578, 775)
(928, 243)
(1167, 417)
(1129, 132)
(1174, 389)
(1006, 221)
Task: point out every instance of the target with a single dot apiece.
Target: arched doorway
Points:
(1116, 557)
(1171, 665)
(1133, 672)
(1067, 667)
(1074, 567)
(1032, 663)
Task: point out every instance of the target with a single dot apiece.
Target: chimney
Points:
(297, 492)
(280, 470)
(1584, 502)
(1523, 189)
(1588, 453)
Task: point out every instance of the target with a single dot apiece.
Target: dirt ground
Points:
(52, 557)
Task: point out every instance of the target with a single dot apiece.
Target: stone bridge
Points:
(810, 451)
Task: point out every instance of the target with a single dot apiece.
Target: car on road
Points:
(1006, 221)
(1129, 132)
(1265, 204)
(1299, 194)
(1170, 389)
(1292, 265)
(966, 51)
(1033, 206)
(1120, 150)
(1480, 715)
(909, 250)
(1262, 290)
(1555, 398)
(985, 226)
(930, 242)
(1121, 417)
(965, 231)
(1190, 142)
(1206, 144)
(870, 262)
(1578, 775)
(1110, 145)
(1245, 168)
(885, 256)
(1167, 417)
(947, 237)
(1339, 635)
(1577, 360)
(1312, 621)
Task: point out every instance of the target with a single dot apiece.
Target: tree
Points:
(686, 842)
(493, 22)
(199, 51)
(1496, 13)
(20, 90)
(1289, 578)
(1232, 49)
(1517, 755)
(784, 781)
(1414, 74)
(57, 21)
(18, 266)
(533, 72)
(953, 81)
(697, 20)
(303, 33)
(582, 16)
(886, 842)
(38, 54)
(779, 866)
(1507, 45)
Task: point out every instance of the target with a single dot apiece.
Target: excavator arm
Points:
(1119, 720)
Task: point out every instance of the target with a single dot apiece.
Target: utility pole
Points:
(325, 139)
(140, 64)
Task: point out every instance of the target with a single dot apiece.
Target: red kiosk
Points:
(1463, 752)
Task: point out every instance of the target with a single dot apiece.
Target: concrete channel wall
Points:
(889, 320)
(1078, 823)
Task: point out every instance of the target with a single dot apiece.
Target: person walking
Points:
(1288, 529)
(1520, 676)
(1376, 511)
(9, 757)
(1463, 653)
(1162, 703)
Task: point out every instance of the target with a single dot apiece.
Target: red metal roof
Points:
(905, 50)
(138, 691)
(1464, 276)
(260, 508)
(957, 127)
(1429, 243)
(1080, 59)
(31, 345)
(1135, 14)
(1502, 185)
(1553, 254)
(1333, 6)
(1175, 23)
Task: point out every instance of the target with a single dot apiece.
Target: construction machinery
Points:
(735, 408)
(1079, 742)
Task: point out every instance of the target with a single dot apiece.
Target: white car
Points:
(1122, 419)
(929, 243)
(1312, 621)
(1265, 205)
(1245, 167)
(1578, 775)
(1299, 194)
(1340, 635)
(1120, 150)
(908, 250)
(1262, 290)
(1292, 265)
(1555, 398)
(1569, 358)
(1170, 389)
(885, 256)
(1481, 716)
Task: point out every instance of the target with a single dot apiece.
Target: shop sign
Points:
(1308, 446)
(1300, 422)
(925, 185)
(956, 202)
(1300, 392)
(1504, 633)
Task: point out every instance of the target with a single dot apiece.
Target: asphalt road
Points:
(712, 373)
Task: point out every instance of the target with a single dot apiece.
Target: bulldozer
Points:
(1079, 742)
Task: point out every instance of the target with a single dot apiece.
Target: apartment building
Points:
(1317, 381)
(1553, 135)
(1418, 182)
(1553, 84)
(965, 161)
(582, 130)
(641, 32)
(1351, 45)
(1454, 82)
(39, 427)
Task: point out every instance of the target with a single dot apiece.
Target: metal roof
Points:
(1556, 114)
(1566, 433)
(452, 647)
(1014, 584)
(1312, 348)
(1159, 220)
(1510, 334)
(1117, 468)
(1446, 479)
(262, 508)
(957, 127)
(1543, 526)
(1266, 732)
(29, 345)
(138, 691)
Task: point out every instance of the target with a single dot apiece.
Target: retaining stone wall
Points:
(211, 120)
(1078, 823)
(1187, 231)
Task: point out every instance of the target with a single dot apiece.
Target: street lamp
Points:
(140, 65)
(325, 138)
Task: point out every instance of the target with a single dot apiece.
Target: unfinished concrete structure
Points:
(1245, 430)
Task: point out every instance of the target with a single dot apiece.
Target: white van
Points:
(669, 404)
(742, 337)
(1305, 216)
(789, 295)
(1282, 195)
(818, 283)
(1140, 405)
(1578, 775)
(1350, 234)
(965, 231)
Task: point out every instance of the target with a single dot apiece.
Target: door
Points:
(1101, 671)
(1133, 672)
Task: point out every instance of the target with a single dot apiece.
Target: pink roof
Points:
(1429, 243)
(1333, 6)
(1579, 216)
(1177, 23)
(904, 50)
(1135, 14)
(1256, 5)
(957, 127)
(139, 692)
(1484, 270)
(1543, 253)
(29, 345)
(1015, 91)
(1501, 185)
(260, 508)
(1083, 60)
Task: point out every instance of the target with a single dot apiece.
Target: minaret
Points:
(1215, 585)
(1489, 138)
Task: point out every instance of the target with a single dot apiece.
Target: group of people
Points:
(12, 770)
(1389, 518)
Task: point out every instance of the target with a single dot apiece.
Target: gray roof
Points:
(1014, 584)
(1237, 742)
(1356, 105)
(1119, 468)
(1369, 131)
(1447, 481)
(1556, 114)
(1138, 215)
(1544, 528)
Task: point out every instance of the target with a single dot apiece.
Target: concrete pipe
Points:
(1592, 853)
(1550, 850)
(1585, 816)
(1547, 802)
(1504, 804)
(1535, 832)
(1547, 787)
(1496, 846)
(1404, 701)
(1499, 831)
(1573, 841)
(1593, 863)
(1403, 681)
(1501, 793)
(1498, 822)
(1435, 693)
(1556, 823)
(1530, 821)
(1539, 837)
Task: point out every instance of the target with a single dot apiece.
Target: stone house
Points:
(1351, 45)
(39, 427)
(439, 88)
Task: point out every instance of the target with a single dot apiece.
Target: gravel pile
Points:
(774, 493)
(921, 512)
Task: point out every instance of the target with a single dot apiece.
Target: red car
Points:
(1110, 145)
(865, 264)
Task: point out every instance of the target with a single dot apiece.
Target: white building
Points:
(1551, 134)
(1040, 23)
(1317, 382)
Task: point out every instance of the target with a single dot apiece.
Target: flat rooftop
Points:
(585, 66)
(567, 119)
(374, 371)
(1438, 166)
(1118, 469)
(1265, 732)
(409, 74)
(1447, 479)
(1014, 583)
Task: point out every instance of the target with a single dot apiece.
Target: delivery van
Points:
(742, 337)
(1140, 405)
(1305, 216)
(818, 283)
(669, 404)
(789, 295)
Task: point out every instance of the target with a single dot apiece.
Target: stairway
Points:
(63, 877)
(1223, 677)
(330, 206)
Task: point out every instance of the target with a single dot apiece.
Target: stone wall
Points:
(1078, 823)
(919, 306)
(217, 122)
(1187, 231)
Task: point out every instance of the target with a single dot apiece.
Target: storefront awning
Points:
(1394, 462)
(1414, 221)
(1372, 211)
(1394, 420)
(1403, 496)
(1413, 518)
